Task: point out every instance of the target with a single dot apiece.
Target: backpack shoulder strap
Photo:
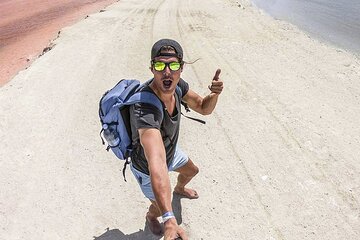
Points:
(145, 97)
(178, 92)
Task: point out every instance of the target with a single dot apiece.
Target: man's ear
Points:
(151, 66)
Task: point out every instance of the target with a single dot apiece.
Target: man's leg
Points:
(153, 213)
(151, 218)
(186, 173)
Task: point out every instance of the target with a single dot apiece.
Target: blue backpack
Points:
(115, 117)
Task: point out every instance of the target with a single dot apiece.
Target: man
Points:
(155, 135)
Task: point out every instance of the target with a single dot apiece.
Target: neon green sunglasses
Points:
(160, 66)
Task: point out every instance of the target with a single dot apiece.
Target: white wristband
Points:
(167, 216)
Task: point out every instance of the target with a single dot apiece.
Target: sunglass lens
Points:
(174, 66)
(159, 66)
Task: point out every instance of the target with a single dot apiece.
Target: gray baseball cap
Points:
(155, 51)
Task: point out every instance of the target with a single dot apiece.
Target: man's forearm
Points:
(208, 103)
(161, 187)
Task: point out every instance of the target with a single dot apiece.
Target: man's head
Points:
(166, 64)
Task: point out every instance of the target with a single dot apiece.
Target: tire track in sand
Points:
(186, 24)
(215, 56)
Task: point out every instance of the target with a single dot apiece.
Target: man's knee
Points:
(196, 170)
(193, 169)
(188, 170)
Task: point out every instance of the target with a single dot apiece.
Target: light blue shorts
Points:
(179, 160)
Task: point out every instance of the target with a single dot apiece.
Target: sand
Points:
(278, 159)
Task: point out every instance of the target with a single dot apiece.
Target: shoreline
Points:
(25, 32)
(339, 36)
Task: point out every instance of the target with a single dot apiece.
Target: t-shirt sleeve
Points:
(146, 116)
(184, 86)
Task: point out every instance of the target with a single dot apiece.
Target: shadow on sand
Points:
(116, 234)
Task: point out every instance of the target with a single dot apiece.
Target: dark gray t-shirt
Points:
(144, 115)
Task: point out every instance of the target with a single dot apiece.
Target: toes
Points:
(194, 195)
(188, 193)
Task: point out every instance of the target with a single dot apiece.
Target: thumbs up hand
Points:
(216, 84)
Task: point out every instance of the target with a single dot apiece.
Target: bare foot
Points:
(154, 225)
(187, 192)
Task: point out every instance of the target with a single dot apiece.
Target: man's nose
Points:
(167, 70)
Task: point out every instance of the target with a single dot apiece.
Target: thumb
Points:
(216, 77)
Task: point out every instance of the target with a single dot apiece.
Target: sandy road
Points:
(278, 159)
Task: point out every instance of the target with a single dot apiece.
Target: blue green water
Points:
(336, 21)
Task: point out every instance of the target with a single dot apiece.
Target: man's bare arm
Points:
(155, 154)
(205, 105)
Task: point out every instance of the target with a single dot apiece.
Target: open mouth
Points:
(167, 83)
